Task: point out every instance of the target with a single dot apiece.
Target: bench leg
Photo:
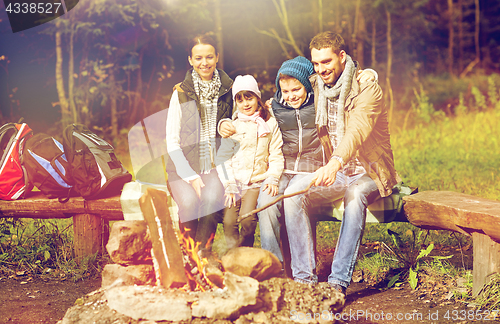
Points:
(89, 234)
(486, 260)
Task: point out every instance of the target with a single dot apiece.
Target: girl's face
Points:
(247, 104)
(203, 59)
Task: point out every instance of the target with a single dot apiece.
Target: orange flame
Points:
(192, 249)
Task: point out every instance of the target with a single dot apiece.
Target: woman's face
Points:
(247, 105)
(204, 60)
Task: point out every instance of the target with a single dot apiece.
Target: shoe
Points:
(339, 288)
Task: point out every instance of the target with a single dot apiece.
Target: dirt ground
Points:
(25, 299)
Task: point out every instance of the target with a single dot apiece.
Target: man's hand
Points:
(271, 189)
(226, 129)
(326, 175)
(365, 75)
(197, 184)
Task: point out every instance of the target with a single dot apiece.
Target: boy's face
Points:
(294, 93)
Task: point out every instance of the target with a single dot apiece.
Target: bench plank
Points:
(38, 206)
(454, 211)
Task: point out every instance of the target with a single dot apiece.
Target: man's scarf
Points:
(340, 90)
(208, 95)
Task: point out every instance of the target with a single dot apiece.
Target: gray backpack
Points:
(94, 167)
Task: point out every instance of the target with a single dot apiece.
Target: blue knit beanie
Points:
(300, 68)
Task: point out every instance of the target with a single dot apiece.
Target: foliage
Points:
(376, 265)
(458, 154)
(489, 296)
(411, 255)
(42, 247)
(423, 108)
(480, 100)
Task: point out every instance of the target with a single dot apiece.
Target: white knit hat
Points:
(245, 83)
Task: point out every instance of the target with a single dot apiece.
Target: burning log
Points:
(175, 254)
(166, 251)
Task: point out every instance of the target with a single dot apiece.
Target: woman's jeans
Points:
(358, 192)
(199, 214)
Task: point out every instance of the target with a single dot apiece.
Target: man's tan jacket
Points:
(366, 134)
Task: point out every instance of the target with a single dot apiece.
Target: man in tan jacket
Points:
(353, 127)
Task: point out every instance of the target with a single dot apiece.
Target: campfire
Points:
(158, 275)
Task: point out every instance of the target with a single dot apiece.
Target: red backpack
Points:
(13, 178)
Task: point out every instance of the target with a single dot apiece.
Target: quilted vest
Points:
(301, 146)
(191, 114)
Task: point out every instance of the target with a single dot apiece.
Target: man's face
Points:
(327, 64)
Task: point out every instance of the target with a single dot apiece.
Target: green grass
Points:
(43, 247)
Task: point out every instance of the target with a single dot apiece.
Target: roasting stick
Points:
(242, 217)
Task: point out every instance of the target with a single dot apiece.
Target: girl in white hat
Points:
(247, 160)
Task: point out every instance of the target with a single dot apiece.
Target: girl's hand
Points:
(271, 189)
(197, 185)
(230, 200)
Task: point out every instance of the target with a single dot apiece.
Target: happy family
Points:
(327, 124)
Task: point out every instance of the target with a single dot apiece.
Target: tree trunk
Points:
(320, 15)
(315, 16)
(389, 64)
(113, 106)
(354, 35)
(138, 93)
(476, 32)
(338, 25)
(71, 79)
(63, 101)
(218, 33)
(374, 42)
(460, 37)
(283, 14)
(360, 56)
(451, 35)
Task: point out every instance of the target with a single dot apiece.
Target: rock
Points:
(93, 309)
(143, 274)
(257, 263)
(239, 292)
(150, 303)
(129, 242)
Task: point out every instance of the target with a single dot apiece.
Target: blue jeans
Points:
(269, 222)
(199, 215)
(358, 192)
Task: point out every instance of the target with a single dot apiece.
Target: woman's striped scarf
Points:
(208, 95)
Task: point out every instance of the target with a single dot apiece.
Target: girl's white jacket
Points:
(247, 158)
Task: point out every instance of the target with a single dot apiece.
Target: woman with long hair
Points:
(197, 105)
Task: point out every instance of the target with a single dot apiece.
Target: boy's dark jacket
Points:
(301, 146)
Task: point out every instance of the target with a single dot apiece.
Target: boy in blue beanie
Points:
(293, 107)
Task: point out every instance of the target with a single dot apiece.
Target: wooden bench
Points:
(90, 217)
(466, 214)
(441, 210)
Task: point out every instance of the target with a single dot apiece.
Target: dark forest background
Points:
(110, 63)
